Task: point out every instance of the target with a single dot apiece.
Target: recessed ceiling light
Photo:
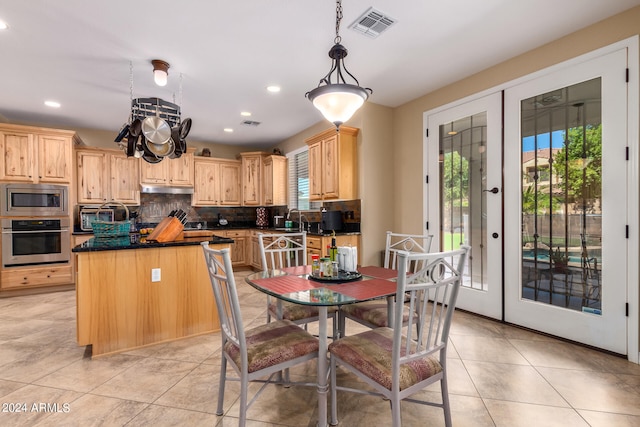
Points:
(273, 89)
(3, 25)
(52, 104)
(245, 114)
(228, 130)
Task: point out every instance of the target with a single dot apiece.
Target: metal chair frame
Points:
(433, 292)
(232, 332)
(396, 243)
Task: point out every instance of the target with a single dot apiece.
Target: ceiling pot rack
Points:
(142, 108)
(166, 114)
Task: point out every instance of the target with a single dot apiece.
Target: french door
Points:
(566, 202)
(463, 196)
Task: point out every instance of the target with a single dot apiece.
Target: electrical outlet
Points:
(155, 274)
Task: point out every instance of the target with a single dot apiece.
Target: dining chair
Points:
(373, 314)
(255, 353)
(288, 250)
(384, 358)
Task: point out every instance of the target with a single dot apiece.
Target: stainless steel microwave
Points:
(88, 215)
(34, 200)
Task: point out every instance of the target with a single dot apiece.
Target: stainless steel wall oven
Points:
(32, 241)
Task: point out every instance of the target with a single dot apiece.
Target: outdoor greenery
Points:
(455, 179)
(579, 166)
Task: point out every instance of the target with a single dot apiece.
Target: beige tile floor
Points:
(499, 376)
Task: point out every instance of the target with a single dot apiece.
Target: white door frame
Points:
(485, 302)
(607, 330)
(633, 209)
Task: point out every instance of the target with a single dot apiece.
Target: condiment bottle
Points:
(333, 250)
(315, 265)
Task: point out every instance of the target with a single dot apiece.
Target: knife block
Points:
(168, 230)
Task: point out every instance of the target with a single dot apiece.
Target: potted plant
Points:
(559, 259)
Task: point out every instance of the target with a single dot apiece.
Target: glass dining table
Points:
(295, 285)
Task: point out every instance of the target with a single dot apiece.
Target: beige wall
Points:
(375, 175)
(407, 119)
(390, 151)
(104, 139)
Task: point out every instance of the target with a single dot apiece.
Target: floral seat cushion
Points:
(372, 312)
(296, 312)
(273, 343)
(370, 353)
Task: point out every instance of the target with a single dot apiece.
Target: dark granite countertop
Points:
(78, 232)
(134, 241)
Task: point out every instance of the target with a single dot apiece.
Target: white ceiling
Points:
(77, 52)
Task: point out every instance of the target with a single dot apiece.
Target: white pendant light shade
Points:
(160, 71)
(338, 102)
(336, 99)
(160, 77)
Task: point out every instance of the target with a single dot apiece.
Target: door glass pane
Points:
(561, 197)
(463, 215)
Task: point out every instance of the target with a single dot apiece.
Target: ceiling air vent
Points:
(372, 23)
(249, 123)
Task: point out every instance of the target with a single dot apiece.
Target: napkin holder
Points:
(348, 258)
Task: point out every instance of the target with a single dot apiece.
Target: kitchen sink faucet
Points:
(300, 216)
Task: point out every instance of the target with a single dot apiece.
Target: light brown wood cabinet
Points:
(333, 168)
(32, 154)
(239, 245)
(317, 245)
(169, 172)
(254, 259)
(216, 182)
(105, 175)
(275, 175)
(252, 186)
(24, 278)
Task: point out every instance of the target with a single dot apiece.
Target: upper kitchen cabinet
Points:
(252, 186)
(105, 175)
(37, 155)
(216, 182)
(169, 172)
(333, 162)
(275, 180)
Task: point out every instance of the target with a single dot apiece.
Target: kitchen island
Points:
(132, 293)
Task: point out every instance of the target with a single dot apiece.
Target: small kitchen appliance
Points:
(34, 200)
(331, 221)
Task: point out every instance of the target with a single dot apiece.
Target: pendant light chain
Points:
(338, 39)
(130, 88)
(338, 101)
(180, 90)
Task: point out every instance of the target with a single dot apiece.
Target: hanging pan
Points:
(155, 129)
(185, 127)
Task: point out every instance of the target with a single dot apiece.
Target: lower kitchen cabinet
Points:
(24, 278)
(255, 259)
(317, 245)
(238, 247)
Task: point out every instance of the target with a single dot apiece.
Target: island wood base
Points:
(120, 308)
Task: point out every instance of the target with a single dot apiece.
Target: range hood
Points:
(162, 189)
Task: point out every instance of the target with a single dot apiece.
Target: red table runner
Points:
(367, 289)
(286, 284)
(298, 270)
(379, 272)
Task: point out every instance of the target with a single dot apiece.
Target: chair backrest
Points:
(226, 296)
(433, 291)
(412, 243)
(283, 250)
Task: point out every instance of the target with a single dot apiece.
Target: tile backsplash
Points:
(154, 207)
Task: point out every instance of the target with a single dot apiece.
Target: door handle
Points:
(494, 190)
(494, 235)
